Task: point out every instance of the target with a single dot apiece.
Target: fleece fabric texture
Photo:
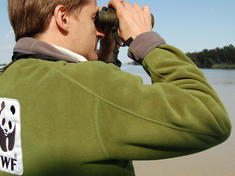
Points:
(93, 119)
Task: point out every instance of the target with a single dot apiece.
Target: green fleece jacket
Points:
(93, 119)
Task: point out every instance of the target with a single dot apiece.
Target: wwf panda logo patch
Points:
(11, 159)
(7, 127)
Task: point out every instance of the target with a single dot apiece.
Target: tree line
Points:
(218, 56)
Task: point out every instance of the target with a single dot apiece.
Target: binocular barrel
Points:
(107, 17)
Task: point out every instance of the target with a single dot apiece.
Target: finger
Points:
(147, 14)
(126, 4)
(137, 7)
(116, 4)
(100, 8)
(146, 9)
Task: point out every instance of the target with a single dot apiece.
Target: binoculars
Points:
(108, 17)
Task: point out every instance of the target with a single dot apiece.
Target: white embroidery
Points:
(11, 159)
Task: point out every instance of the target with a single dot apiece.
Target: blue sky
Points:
(190, 25)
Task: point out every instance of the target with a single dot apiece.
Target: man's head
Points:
(65, 23)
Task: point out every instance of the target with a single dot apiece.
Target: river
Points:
(217, 161)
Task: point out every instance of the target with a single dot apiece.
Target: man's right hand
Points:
(133, 19)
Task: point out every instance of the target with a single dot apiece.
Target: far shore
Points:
(215, 66)
(223, 66)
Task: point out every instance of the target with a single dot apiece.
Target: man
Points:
(71, 117)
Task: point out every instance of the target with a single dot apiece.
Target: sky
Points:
(189, 25)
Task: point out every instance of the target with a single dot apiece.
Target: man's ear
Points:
(61, 18)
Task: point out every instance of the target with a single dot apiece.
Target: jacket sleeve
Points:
(178, 114)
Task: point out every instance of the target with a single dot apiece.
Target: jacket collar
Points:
(28, 45)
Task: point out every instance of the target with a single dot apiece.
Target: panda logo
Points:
(7, 127)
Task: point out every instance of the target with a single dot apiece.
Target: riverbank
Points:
(215, 66)
(223, 66)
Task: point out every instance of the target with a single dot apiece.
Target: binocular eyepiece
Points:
(108, 17)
